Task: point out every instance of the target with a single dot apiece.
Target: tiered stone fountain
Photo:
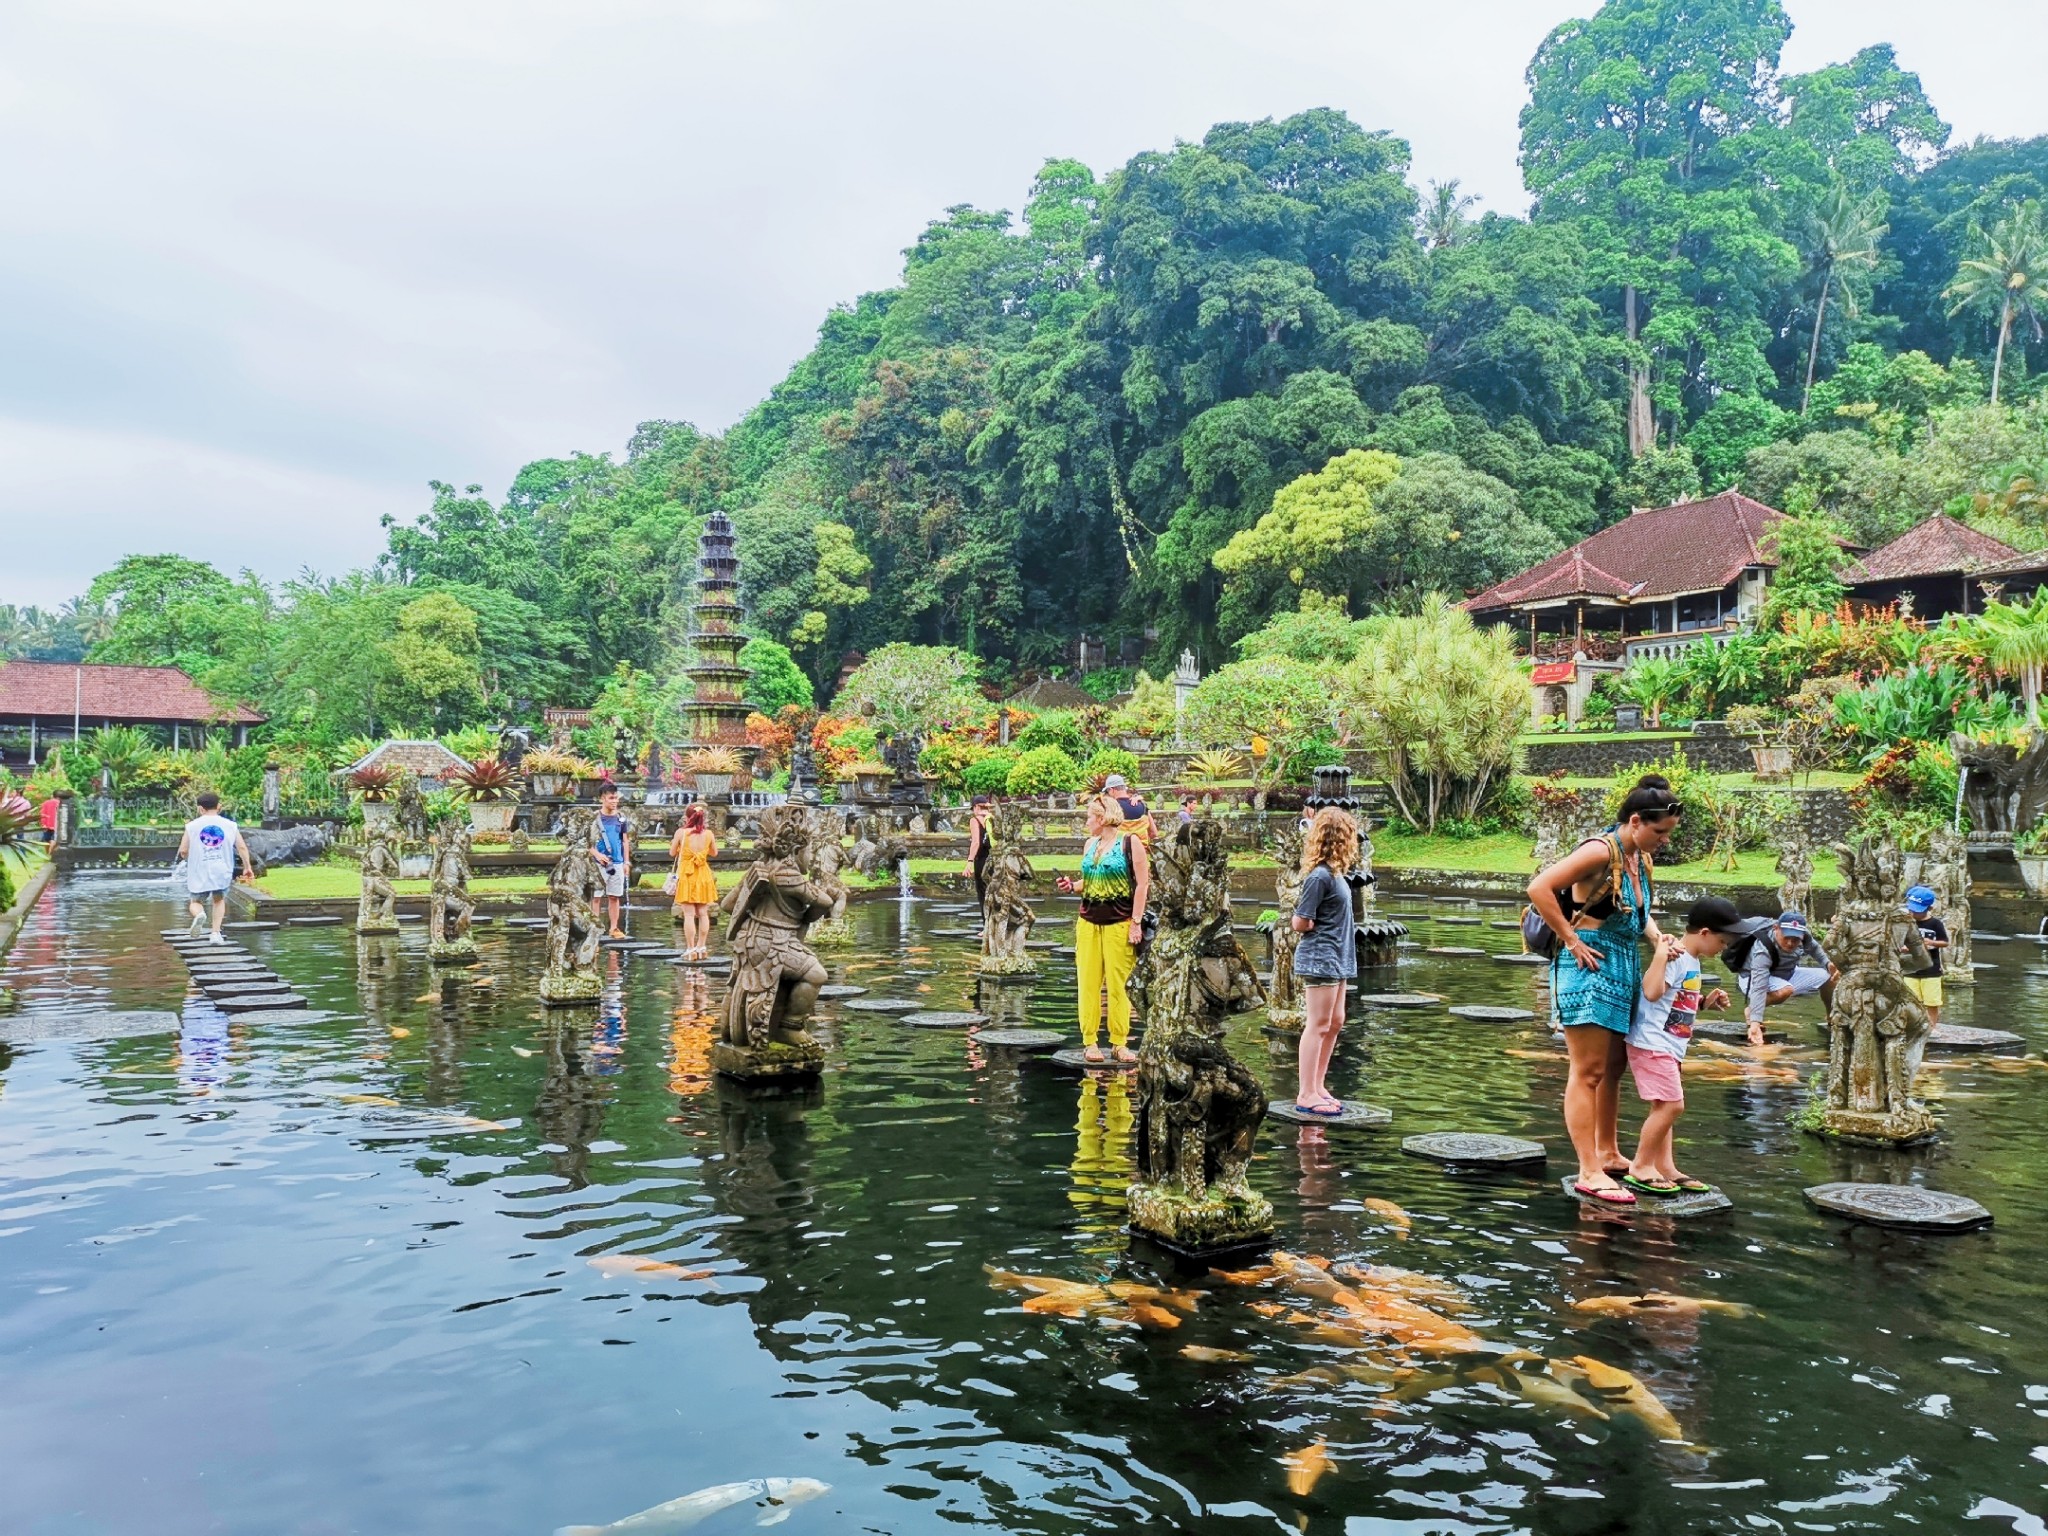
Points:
(718, 708)
(1378, 937)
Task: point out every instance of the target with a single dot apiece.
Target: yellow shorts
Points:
(1926, 988)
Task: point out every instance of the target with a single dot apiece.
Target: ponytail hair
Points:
(1651, 799)
(693, 817)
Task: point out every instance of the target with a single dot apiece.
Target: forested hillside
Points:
(1158, 403)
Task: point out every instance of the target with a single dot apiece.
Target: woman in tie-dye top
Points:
(1115, 881)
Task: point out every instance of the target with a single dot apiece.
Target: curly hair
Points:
(1109, 808)
(1332, 839)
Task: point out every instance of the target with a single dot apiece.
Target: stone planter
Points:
(1773, 764)
(549, 786)
(1137, 743)
(379, 813)
(871, 786)
(2034, 870)
(492, 815)
(586, 789)
(713, 786)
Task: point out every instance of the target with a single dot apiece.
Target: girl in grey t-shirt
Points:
(1327, 955)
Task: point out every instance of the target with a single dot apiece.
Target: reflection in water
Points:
(1104, 1158)
(571, 1108)
(203, 1041)
(692, 1030)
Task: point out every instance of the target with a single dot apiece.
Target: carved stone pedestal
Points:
(452, 951)
(1861, 1128)
(775, 1062)
(566, 990)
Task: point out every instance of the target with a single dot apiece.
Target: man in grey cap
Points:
(1784, 961)
(1137, 815)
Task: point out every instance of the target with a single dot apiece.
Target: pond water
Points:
(346, 1276)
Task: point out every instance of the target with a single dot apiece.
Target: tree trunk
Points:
(1813, 348)
(1642, 429)
(1998, 361)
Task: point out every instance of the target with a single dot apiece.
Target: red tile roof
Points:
(2032, 563)
(1940, 546)
(1654, 552)
(132, 695)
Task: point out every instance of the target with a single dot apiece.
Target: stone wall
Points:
(1825, 813)
(1603, 757)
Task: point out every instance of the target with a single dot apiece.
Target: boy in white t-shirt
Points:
(1672, 998)
(208, 850)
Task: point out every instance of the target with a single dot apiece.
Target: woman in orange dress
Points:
(696, 888)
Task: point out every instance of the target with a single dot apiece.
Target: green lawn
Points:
(1505, 853)
(342, 882)
(1822, 778)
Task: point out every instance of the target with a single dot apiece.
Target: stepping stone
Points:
(883, 1005)
(29, 1029)
(1486, 1014)
(1496, 901)
(1682, 1207)
(942, 1019)
(1472, 922)
(1730, 1030)
(1983, 965)
(657, 953)
(1053, 944)
(1355, 1116)
(1400, 999)
(246, 927)
(404, 917)
(284, 1016)
(329, 922)
(1989, 938)
(957, 907)
(249, 1002)
(1900, 1205)
(1504, 922)
(476, 920)
(1963, 1037)
(1064, 949)
(2032, 938)
(954, 933)
(842, 989)
(628, 944)
(2037, 970)
(1521, 960)
(1455, 951)
(1072, 1060)
(1020, 1039)
(526, 922)
(237, 986)
(1474, 1149)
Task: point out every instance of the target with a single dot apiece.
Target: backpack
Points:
(1538, 938)
(1735, 953)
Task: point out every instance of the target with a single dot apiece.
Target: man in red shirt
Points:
(49, 810)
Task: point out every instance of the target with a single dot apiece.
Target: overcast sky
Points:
(270, 268)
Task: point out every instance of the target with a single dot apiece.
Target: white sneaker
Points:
(216, 939)
(198, 923)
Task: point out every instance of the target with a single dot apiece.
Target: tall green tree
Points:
(2008, 279)
(1843, 238)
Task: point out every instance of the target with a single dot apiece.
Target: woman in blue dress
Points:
(1596, 899)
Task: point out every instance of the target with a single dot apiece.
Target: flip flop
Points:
(1604, 1196)
(1326, 1111)
(1656, 1187)
(1695, 1187)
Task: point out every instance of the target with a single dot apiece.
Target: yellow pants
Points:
(1104, 957)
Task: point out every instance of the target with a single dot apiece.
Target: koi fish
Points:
(1661, 1301)
(1180, 1301)
(1390, 1212)
(376, 1099)
(483, 981)
(1038, 1285)
(398, 1033)
(621, 1265)
(1203, 1354)
(779, 1494)
(1147, 1316)
(1384, 1277)
(1306, 1467)
(1623, 1393)
(1257, 1276)
(520, 1050)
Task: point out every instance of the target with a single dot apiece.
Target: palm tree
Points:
(1844, 233)
(1652, 682)
(2011, 277)
(89, 619)
(1444, 221)
(2013, 638)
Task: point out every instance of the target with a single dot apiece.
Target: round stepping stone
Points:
(1042, 944)
(937, 1018)
(250, 1002)
(1470, 922)
(412, 917)
(956, 907)
(1989, 938)
(1983, 965)
(329, 922)
(206, 974)
(628, 944)
(526, 922)
(842, 989)
(1496, 901)
(1063, 949)
(284, 1016)
(249, 985)
(954, 933)
(1737, 1033)
(1900, 1205)
(2032, 938)
(657, 953)
(1400, 999)
(245, 927)
(476, 920)
(1486, 1014)
(28, 1029)
(883, 1005)
(2037, 970)
(1521, 960)
(1020, 1039)
(1456, 951)
(1474, 1149)
(1355, 1115)
(1072, 1060)
(1679, 1206)
(1504, 922)
(1963, 1037)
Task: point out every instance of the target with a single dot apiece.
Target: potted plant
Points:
(714, 769)
(1773, 758)
(375, 785)
(2030, 848)
(870, 779)
(550, 771)
(491, 790)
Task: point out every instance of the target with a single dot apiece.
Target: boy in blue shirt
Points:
(1662, 1029)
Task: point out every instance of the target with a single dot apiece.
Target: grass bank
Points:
(1507, 854)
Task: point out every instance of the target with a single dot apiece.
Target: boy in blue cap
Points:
(1934, 932)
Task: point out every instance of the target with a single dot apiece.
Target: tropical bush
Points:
(373, 783)
(1055, 728)
(1108, 760)
(1214, 766)
(1044, 771)
(486, 779)
(1148, 712)
(1705, 799)
(948, 756)
(989, 774)
(1921, 704)
(921, 688)
(839, 741)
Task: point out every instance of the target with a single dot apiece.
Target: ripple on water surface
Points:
(430, 1257)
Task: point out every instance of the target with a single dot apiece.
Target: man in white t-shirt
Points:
(208, 849)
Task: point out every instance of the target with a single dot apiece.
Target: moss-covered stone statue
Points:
(827, 856)
(573, 927)
(449, 908)
(1283, 992)
(1878, 1029)
(377, 906)
(1947, 870)
(1199, 1107)
(775, 976)
(1795, 866)
(1006, 915)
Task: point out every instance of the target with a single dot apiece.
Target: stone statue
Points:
(1795, 866)
(1947, 870)
(1283, 992)
(623, 763)
(573, 927)
(1198, 1106)
(1559, 819)
(826, 857)
(377, 907)
(1878, 1028)
(412, 808)
(803, 771)
(651, 769)
(514, 742)
(2005, 788)
(1006, 915)
(775, 977)
(449, 908)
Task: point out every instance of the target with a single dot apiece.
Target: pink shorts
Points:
(1656, 1075)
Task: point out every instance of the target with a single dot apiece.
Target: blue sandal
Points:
(1325, 1111)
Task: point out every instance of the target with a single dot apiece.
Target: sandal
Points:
(1329, 1111)
(1604, 1196)
(1094, 1054)
(1661, 1188)
(1126, 1055)
(1691, 1186)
